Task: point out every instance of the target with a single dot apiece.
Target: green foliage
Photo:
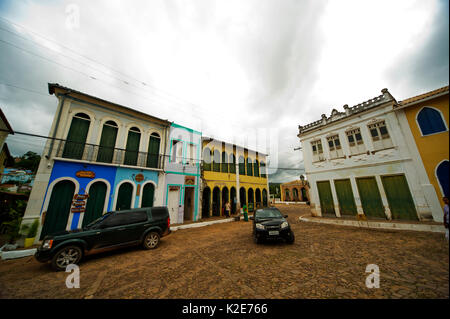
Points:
(31, 229)
(13, 229)
(28, 161)
(11, 218)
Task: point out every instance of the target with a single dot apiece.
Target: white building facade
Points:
(364, 161)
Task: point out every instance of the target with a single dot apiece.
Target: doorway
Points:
(173, 201)
(189, 194)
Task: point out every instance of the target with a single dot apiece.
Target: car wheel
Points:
(256, 239)
(66, 256)
(151, 240)
(291, 238)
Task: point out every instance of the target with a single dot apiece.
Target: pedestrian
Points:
(245, 213)
(227, 209)
(446, 212)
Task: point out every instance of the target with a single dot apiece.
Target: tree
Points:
(29, 161)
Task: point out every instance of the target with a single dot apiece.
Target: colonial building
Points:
(101, 156)
(182, 168)
(295, 191)
(363, 161)
(232, 173)
(5, 129)
(427, 116)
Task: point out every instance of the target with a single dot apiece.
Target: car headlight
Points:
(47, 244)
(260, 226)
(284, 225)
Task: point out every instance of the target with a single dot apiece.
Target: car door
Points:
(136, 222)
(112, 231)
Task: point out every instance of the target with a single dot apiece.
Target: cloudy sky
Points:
(244, 71)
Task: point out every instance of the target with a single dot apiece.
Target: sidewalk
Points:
(378, 224)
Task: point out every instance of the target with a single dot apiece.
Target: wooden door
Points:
(345, 197)
(370, 197)
(326, 198)
(399, 197)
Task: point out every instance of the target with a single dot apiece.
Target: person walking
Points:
(446, 217)
(227, 209)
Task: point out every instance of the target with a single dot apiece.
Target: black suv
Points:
(269, 223)
(113, 230)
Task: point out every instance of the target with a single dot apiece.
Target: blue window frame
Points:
(430, 121)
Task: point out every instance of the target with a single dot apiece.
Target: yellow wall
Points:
(432, 148)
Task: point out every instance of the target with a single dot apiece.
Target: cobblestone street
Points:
(222, 261)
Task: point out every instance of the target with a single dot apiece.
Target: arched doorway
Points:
(295, 192)
(304, 196)
(107, 142)
(233, 199)
(206, 201)
(153, 150)
(132, 148)
(286, 195)
(58, 208)
(76, 138)
(216, 202)
(148, 194)
(442, 173)
(96, 202)
(251, 200)
(258, 198)
(124, 196)
(225, 196)
(264, 195)
(243, 196)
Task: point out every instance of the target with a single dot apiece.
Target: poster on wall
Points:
(79, 203)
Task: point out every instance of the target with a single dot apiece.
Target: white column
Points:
(387, 210)
(356, 196)
(335, 199)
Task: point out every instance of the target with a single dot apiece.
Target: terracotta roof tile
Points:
(423, 96)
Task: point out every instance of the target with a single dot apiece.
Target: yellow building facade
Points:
(428, 118)
(233, 174)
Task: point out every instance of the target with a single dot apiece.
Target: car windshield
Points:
(98, 220)
(268, 213)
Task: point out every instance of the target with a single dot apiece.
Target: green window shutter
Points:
(256, 168)
(370, 197)
(107, 144)
(76, 138)
(147, 195)
(132, 149)
(326, 198)
(399, 197)
(153, 152)
(232, 164)
(207, 159)
(95, 203)
(216, 161)
(241, 165)
(345, 197)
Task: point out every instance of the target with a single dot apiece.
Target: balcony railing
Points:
(103, 154)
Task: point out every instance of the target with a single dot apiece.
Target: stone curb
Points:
(202, 224)
(378, 225)
(17, 253)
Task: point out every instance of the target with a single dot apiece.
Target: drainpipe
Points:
(56, 126)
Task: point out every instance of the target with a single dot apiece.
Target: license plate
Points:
(274, 232)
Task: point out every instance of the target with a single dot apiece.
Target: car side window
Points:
(136, 217)
(115, 220)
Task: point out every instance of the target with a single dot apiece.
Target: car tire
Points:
(66, 256)
(151, 240)
(257, 240)
(291, 238)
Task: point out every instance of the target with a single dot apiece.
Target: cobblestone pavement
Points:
(222, 261)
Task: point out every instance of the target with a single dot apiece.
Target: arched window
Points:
(256, 168)
(224, 162)
(442, 174)
(241, 165)
(430, 121)
(249, 167)
(107, 142)
(232, 164)
(207, 159)
(153, 150)
(216, 161)
(76, 138)
(263, 169)
(132, 150)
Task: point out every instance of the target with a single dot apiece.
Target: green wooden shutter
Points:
(345, 197)
(107, 144)
(326, 198)
(76, 138)
(58, 208)
(132, 150)
(249, 167)
(153, 152)
(95, 203)
(256, 168)
(399, 197)
(370, 197)
(124, 196)
(241, 165)
(147, 195)
(224, 164)
(207, 159)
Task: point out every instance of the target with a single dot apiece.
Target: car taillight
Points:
(168, 223)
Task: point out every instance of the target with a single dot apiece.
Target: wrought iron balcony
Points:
(102, 154)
